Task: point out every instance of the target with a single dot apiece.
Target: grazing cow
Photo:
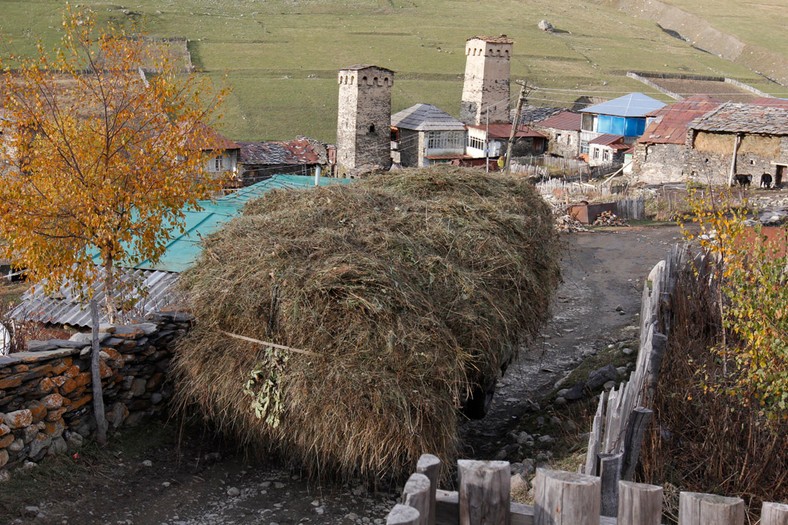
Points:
(744, 180)
(766, 181)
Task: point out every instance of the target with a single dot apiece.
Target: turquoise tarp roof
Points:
(183, 249)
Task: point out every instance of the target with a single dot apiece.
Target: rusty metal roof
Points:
(670, 123)
(148, 290)
(732, 117)
(607, 140)
(566, 120)
(502, 131)
(301, 151)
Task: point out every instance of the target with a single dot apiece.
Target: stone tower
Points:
(364, 118)
(486, 86)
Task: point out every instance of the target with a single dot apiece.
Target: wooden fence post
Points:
(639, 504)
(402, 515)
(416, 494)
(484, 492)
(430, 466)
(774, 514)
(563, 498)
(637, 422)
(709, 509)
(609, 475)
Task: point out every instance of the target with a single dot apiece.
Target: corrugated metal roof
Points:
(745, 118)
(148, 290)
(632, 105)
(566, 120)
(607, 140)
(426, 117)
(670, 123)
(298, 152)
(502, 131)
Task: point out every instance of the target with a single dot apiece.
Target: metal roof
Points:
(607, 140)
(745, 118)
(632, 105)
(426, 117)
(566, 120)
(502, 131)
(670, 123)
(299, 152)
(148, 290)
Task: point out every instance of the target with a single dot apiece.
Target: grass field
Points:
(280, 57)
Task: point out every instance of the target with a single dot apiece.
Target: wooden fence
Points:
(561, 498)
(632, 208)
(623, 414)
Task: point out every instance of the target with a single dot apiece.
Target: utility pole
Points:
(524, 92)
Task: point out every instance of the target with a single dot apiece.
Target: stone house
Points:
(734, 138)
(261, 160)
(563, 134)
(625, 116)
(221, 153)
(660, 154)
(423, 134)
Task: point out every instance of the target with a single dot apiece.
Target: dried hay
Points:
(407, 289)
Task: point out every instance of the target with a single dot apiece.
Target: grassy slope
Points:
(281, 56)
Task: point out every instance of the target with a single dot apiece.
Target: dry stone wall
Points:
(46, 393)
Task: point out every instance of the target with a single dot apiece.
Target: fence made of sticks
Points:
(561, 498)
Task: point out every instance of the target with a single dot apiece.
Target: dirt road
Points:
(146, 482)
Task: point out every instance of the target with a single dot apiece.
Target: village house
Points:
(422, 135)
(490, 141)
(221, 153)
(623, 116)
(606, 149)
(745, 139)
(563, 134)
(261, 160)
(660, 154)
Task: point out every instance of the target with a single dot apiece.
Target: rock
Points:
(147, 463)
(627, 351)
(3, 458)
(555, 420)
(39, 446)
(518, 484)
(609, 385)
(233, 492)
(18, 419)
(4, 429)
(28, 465)
(560, 401)
(16, 446)
(600, 376)
(563, 392)
(319, 510)
(279, 485)
(544, 25)
(4, 476)
(156, 398)
(546, 440)
(622, 371)
(31, 511)
(138, 386)
(53, 401)
(74, 440)
(575, 393)
(619, 309)
(58, 446)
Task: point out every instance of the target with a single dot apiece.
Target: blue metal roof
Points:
(183, 249)
(632, 105)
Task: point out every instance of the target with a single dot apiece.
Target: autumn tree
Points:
(99, 159)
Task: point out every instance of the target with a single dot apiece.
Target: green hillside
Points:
(280, 57)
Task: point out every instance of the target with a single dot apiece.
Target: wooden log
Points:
(402, 515)
(774, 513)
(633, 441)
(709, 509)
(563, 498)
(416, 494)
(484, 492)
(639, 504)
(609, 476)
(430, 466)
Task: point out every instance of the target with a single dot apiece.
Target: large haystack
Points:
(404, 289)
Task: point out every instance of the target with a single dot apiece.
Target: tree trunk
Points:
(95, 373)
(109, 290)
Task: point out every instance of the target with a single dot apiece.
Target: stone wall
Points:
(46, 393)
(659, 163)
(485, 89)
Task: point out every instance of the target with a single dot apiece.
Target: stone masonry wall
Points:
(46, 393)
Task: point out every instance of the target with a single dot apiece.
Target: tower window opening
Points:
(371, 129)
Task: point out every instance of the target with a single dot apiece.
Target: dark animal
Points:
(744, 180)
(766, 181)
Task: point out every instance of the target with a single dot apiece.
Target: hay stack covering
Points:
(405, 289)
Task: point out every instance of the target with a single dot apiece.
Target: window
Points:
(584, 146)
(558, 137)
(596, 153)
(445, 140)
(371, 129)
(474, 142)
(606, 155)
(218, 163)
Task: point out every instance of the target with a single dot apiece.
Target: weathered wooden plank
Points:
(637, 422)
(402, 515)
(563, 498)
(639, 504)
(774, 514)
(430, 466)
(609, 476)
(595, 438)
(709, 509)
(416, 494)
(484, 492)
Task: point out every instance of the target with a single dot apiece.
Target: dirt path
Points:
(144, 481)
